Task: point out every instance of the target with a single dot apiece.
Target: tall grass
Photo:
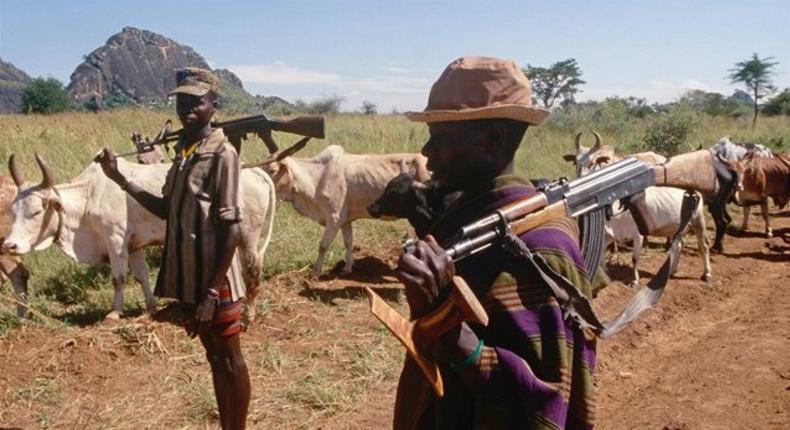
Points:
(69, 141)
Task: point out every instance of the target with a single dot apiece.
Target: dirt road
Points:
(710, 356)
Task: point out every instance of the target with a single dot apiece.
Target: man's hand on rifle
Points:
(109, 164)
(424, 274)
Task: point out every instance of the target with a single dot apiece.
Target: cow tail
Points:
(266, 234)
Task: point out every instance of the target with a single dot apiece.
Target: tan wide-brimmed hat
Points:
(480, 88)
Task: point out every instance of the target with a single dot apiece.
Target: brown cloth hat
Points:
(480, 88)
(195, 81)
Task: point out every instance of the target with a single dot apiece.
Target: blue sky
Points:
(390, 52)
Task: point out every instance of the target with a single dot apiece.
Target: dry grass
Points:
(316, 355)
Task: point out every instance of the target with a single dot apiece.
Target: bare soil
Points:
(710, 356)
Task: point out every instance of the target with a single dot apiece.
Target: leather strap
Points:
(579, 308)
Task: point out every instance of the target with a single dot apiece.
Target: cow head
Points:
(402, 196)
(744, 177)
(277, 166)
(588, 159)
(36, 211)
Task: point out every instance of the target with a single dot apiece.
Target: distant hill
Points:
(12, 82)
(138, 67)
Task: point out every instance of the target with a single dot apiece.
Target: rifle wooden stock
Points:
(308, 126)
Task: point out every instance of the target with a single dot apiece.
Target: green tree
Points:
(368, 108)
(755, 74)
(560, 81)
(44, 96)
(779, 105)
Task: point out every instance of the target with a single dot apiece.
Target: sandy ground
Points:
(710, 356)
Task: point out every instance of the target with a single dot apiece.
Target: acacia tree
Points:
(755, 74)
(561, 80)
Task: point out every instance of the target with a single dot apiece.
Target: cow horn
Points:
(48, 177)
(578, 141)
(16, 175)
(597, 145)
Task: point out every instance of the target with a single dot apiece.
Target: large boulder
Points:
(12, 82)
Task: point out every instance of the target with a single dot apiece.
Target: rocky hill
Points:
(12, 82)
(137, 67)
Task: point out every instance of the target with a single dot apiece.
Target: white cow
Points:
(92, 220)
(11, 267)
(334, 188)
(661, 205)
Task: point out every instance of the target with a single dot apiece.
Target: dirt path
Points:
(711, 356)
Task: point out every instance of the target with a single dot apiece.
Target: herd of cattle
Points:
(93, 221)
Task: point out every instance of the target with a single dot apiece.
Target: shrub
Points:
(44, 96)
(670, 132)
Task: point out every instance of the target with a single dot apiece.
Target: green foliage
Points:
(560, 81)
(368, 108)
(44, 96)
(755, 74)
(714, 104)
(779, 105)
(322, 106)
(119, 99)
(669, 133)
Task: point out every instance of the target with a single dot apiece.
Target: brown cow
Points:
(761, 178)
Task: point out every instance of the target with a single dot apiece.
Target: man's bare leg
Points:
(231, 380)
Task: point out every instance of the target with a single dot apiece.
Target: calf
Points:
(334, 188)
(420, 203)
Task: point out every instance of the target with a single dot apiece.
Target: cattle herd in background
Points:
(91, 220)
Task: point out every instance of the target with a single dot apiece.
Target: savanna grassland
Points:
(317, 358)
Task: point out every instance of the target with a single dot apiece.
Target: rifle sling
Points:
(578, 307)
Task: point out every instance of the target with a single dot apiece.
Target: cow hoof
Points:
(769, 234)
(633, 285)
(707, 277)
(112, 317)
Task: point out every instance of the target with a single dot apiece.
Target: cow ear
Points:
(54, 203)
(569, 157)
(603, 159)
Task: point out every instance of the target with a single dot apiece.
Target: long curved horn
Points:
(16, 175)
(597, 145)
(46, 172)
(578, 141)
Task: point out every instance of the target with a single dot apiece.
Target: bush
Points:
(670, 132)
(322, 106)
(44, 96)
(779, 105)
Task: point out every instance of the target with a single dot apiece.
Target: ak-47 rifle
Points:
(237, 130)
(589, 198)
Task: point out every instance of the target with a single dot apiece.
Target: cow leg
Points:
(766, 217)
(119, 267)
(17, 273)
(746, 211)
(348, 241)
(330, 231)
(698, 225)
(140, 273)
(251, 265)
(638, 241)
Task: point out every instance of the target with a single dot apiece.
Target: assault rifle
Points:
(588, 198)
(237, 130)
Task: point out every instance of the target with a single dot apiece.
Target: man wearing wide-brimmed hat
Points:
(199, 264)
(530, 367)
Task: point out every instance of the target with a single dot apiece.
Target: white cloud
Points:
(279, 73)
(656, 90)
(395, 70)
(393, 81)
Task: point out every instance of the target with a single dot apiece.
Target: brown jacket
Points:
(201, 191)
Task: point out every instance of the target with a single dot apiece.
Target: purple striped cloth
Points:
(536, 368)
